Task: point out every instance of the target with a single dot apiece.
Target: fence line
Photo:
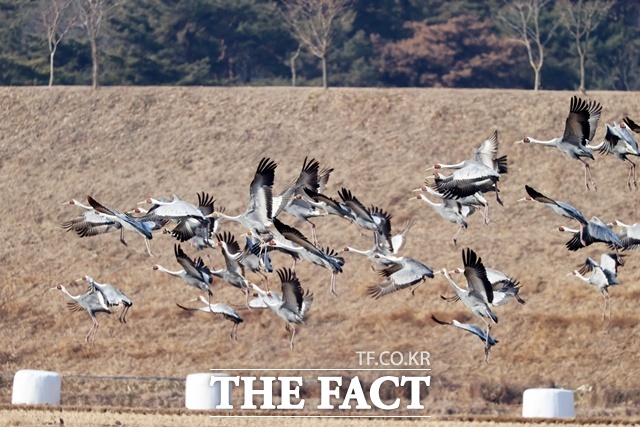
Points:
(108, 377)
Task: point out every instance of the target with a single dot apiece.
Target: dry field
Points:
(122, 145)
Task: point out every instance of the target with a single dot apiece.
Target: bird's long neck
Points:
(453, 166)
(73, 297)
(548, 143)
(230, 218)
(429, 202)
(171, 272)
(81, 205)
(453, 284)
(580, 276)
(358, 251)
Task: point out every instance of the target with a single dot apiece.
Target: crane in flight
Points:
(603, 275)
(227, 312)
(89, 223)
(92, 302)
(403, 273)
(194, 272)
(111, 295)
(477, 295)
(127, 222)
(258, 216)
(475, 330)
(629, 235)
(291, 306)
(191, 220)
(480, 174)
(580, 128)
(620, 142)
(505, 288)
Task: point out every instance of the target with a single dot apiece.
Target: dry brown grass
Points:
(122, 145)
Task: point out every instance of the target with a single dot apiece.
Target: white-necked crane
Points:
(229, 313)
(291, 240)
(561, 208)
(257, 218)
(191, 220)
(580, 128)
(602, 276)
(451, 210)
(473, 202)
(478, 294)
(193, 273)
(629, 235)
(384, 246)
(595, 231)
(480, 174)
(403, 273)
(127, 222)
(475, 330)
(620, 142)
(112, 296)
(233, 273)
(93, 302)
(505, 288)
(89, 223)
(293, 304)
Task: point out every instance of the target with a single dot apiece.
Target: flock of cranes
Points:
(459, 193)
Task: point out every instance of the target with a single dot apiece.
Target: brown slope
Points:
(122, 145)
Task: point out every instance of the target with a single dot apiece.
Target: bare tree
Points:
(58, 20)
(293, 65)
(312, 23)
(580, 18)
(91, 15)
(521, 19)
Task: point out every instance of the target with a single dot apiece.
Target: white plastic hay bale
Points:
(36, 388)
(200, 394)
(548, 403)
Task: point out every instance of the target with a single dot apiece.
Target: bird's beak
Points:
(418, 189)
(144, 202)
(520, 141)
(524, 199)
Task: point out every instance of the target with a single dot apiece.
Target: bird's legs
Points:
(234, 332)
(587, 173)
(293, 334)
(314, 237)
(413, 291)
(123, 314)
(455, 236)
(607, 304)
(94, 330)
(122, 237)
(485, 214)
(487, 349)
(333, 284)
(632, 172)
(147, 244)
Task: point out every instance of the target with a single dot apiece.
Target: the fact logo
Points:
(362, 391)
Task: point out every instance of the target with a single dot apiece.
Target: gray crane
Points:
(478, 294)
(629, 235)
(480, 174)
(191, 220)
(233, 273)
(127, 222)
(227, 312)
(194, 272)
(620, 142)
(580, 128)
(505, 288)
(384, 246)
(93, 302)
(451, 210)
(291, 240)
(89, 223)
(561, 208)
(112, 296)
(257, 218)
(595, 231)
(473, 202)
(475, 330)
(602, 276)
(291, 306)
(403, 273)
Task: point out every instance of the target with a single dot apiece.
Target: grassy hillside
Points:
(122, 145)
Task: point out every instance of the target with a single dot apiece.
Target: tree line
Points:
(548, 44)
